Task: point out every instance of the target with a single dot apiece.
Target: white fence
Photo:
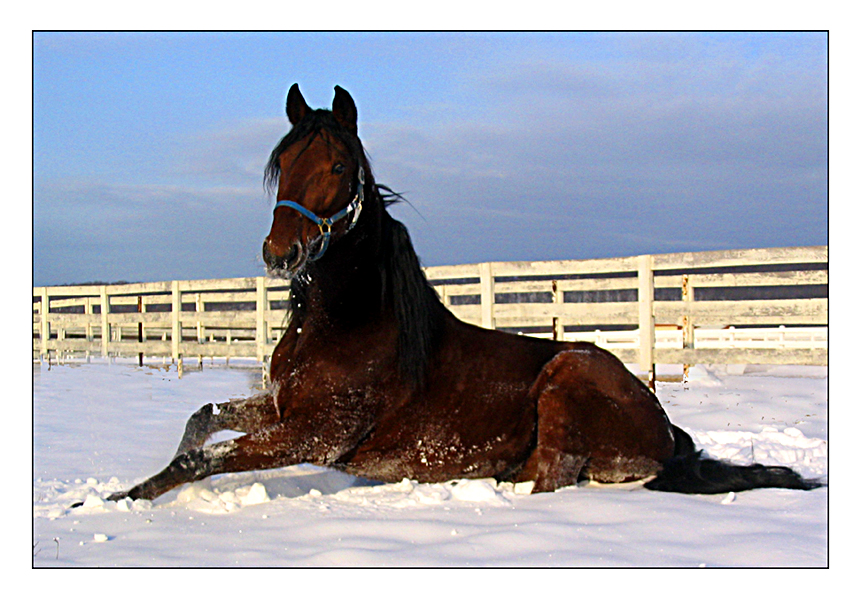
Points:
(766, 306)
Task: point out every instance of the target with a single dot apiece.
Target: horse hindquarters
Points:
(596, 420)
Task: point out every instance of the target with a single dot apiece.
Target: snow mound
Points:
(409, 493)
(200, 496)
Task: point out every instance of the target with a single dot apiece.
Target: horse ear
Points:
(297, 108)
(344, 109)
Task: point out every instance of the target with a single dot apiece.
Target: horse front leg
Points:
(192, 465)
(247, 453)
(245, 416)
(317, 437)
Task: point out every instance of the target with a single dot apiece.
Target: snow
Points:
(102, 427)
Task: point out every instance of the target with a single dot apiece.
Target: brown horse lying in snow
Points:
(374, 376)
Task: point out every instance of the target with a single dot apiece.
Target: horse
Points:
(374, 376)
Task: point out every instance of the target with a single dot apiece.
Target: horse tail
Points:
(689, 472)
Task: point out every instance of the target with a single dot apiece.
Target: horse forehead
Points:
(321, 149)
(305, 168)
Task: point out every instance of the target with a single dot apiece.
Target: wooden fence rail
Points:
(663, 309)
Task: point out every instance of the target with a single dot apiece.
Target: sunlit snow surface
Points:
(99, 428)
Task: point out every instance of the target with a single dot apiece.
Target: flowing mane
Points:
(418, 309)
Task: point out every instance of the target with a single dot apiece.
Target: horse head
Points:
(319, 169)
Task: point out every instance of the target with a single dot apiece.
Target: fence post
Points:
(175, 324)
(198, 308)
(44, 324)
(88, 328)
(558, 300)
(106, 327)
(141, 336)
(262, 305)
(485, 273)
(442, 290)
(646, 302)
(687, 319)
(687, 322)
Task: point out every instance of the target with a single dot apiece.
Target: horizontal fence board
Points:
(729, 356)
(153, 319)
(567, 285)
(758, 279)
(564, 267)
(615, 313)
(73, 319)
(812, 311)
(577, 299)
(203, 285)
(452, 272)
(93, 290)
(471, 313)
(77, 301)
(733, 258)
(239, 349)
(469, 289)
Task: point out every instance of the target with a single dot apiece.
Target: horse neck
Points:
(344, 285)
(376, 278)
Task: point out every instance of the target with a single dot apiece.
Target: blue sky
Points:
(149, 148)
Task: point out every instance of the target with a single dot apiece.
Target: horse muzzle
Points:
(284, 263)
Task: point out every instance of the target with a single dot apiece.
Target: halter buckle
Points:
(325, 225)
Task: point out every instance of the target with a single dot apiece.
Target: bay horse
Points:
(374, 376)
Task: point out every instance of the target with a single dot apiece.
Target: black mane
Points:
(405, 289)
(417, 307)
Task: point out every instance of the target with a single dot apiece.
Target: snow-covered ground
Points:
(98, 428)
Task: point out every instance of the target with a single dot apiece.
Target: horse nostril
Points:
(291, 258)
(282, 262)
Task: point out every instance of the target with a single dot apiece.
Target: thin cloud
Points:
(236, 151)
(146, 232)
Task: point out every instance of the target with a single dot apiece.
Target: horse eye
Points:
(338, 169)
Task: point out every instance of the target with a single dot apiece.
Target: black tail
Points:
(690, 473)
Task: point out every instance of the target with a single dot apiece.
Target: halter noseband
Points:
(325, 223)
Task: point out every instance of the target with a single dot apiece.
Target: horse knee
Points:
(197, 429)
(203, 414)
(551, 469)
(248, 414)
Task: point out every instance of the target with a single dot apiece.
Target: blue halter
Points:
(325, 223)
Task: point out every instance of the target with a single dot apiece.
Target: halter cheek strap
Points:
(325, 224)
